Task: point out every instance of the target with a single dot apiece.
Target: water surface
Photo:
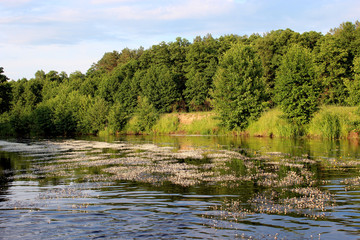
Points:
(179, 187)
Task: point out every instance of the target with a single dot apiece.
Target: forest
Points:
(238, 77)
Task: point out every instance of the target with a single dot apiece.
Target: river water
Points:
(179, 187)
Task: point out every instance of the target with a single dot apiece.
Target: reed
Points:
(334, 122)
(205, 123)
(167, 124)
(272, 124)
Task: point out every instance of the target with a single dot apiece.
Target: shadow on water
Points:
(6, 171)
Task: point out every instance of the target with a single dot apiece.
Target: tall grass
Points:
(329, 122)
(334, 122)
(132, 127)
(205, 124)
(272, 124)
(167, 124)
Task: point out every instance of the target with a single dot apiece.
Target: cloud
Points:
(114, 24)
(63, 23)
(102, 2)
(14, 3)
(171, 10)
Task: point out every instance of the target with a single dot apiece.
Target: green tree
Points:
(92, 115)
(296, 88)
(146, 115)
(202, 59)
(238, 88)
(159, 86)
(271, 49)
(178, 51)
(108, 62)
(353, 86)
(335, 56)
(5, 93)
(42, 120)
(118, 117)
(76, 79)
(332, 69)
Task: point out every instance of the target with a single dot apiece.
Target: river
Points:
(179, 187)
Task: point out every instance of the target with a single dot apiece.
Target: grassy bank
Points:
(329, 122)
(203, 123)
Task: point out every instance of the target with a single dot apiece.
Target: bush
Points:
(5, 126)
(144, 118)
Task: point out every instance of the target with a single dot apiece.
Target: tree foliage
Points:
(238, 75)
(5, 92)
(238, 87)
(296, 88)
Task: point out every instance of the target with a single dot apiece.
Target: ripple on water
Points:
(71, 189)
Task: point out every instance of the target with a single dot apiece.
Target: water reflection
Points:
(6, 172)
(190, 187)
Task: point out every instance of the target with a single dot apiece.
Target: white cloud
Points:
(13, 3)
(173, 10)
(101, 2)
(195, 9)
(43, 34)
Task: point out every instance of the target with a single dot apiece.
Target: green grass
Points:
(167, 124)
(329, 122)
(334, 122)
(132, 127)
(271, 124)
(203, 123)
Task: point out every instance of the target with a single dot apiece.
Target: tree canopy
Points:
(237, 76)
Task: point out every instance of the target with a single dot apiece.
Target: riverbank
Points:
(329, 122)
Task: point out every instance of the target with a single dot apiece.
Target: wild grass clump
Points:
(167, 123)
(205, 125)
(334, 122)
(272, 124)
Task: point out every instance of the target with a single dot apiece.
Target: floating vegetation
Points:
(63, 192)
(150, 163)
(351, 183)
(275, 183)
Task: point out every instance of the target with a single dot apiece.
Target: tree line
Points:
(237, 76)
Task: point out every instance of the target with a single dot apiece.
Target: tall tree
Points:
(271, 48)
(353, 85)
(159, 86)
(332, 69)
(202, 61)
(5, 92)
(238, 87)
(335, 57)
(296, 88)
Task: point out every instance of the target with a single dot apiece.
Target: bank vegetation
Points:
(281, 83)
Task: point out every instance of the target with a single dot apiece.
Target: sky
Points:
(71, 35)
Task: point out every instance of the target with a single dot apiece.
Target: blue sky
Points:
(70, 35)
